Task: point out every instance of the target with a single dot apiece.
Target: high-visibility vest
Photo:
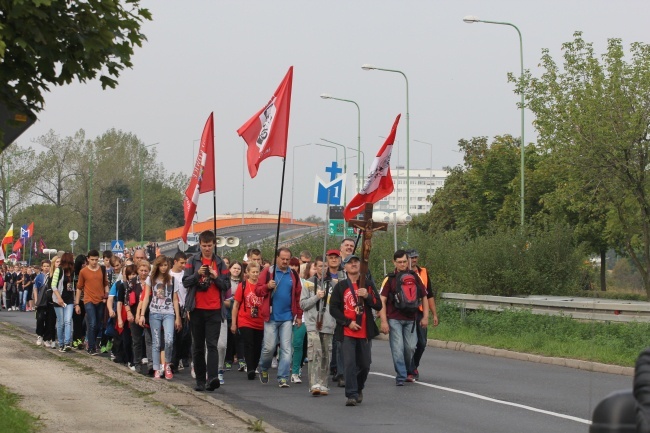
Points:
(424, 277)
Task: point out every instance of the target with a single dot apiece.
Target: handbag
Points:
(45, 294)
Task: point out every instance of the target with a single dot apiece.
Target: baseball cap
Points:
(333, 253)
(413, 253)
(350, 257)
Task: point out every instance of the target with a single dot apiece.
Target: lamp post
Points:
(470, 19)
(90, 189)
(328, 96)
(144, 147)
(361, 174)
(293, 176)
(367, 67)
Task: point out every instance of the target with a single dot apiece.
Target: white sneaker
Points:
(315, 390)
(39, 341)
(295, 378)
(193, 373)
(274, 363)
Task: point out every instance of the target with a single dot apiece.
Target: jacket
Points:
(262, 290)
(311, 305)
(191, 279)
(372, 302)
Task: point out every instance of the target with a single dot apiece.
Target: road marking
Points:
(494, 400)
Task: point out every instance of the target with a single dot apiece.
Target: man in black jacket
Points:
(351, 305)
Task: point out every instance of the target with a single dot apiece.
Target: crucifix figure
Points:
(367, 227)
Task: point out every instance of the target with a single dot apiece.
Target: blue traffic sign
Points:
(330, 192)
(117, 246)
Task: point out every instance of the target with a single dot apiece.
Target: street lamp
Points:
(470, 19)
(328, 96)
(90, 189)
(361, 174)
(367, 67)
(144, 147)
(117, 218)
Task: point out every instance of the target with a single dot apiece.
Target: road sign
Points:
(335, 189)
(117, 246)
(336, 228)
(73, 235)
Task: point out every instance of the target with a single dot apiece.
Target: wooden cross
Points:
(367, 227)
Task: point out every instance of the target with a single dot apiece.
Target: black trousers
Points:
(50, 324)
(251, 340)
(205, 326)
(356, 359)
(136, 344)
(41, 318)
(79, 324)
(182, 344)
(419, 348)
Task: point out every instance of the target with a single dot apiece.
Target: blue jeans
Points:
(272, 332)
(64, 324)
(166, 321)
(403, 339)
(23, 300)
(94, 319)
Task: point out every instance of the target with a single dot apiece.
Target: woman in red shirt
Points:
(246, 319)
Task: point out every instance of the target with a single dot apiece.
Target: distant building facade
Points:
(423, 184)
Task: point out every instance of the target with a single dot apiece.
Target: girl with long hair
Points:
(164, 313)
(78, 320)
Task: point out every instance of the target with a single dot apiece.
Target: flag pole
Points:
(277, 231)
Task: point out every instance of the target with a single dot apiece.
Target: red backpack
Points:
(406, 296)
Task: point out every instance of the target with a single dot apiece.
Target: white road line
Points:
(494, 400)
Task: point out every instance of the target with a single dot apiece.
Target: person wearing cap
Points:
(431, 300)
(351, 306)
(336, 273)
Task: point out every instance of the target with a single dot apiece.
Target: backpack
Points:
(406, 295)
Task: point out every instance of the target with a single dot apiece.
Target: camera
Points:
(254, 312)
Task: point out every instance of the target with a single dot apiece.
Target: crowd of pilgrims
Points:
(207, 314)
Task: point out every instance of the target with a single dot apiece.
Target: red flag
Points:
(202, 179)
(18, 245)
(41, 245)
(267, 131)
(30, 230)
(379, 183)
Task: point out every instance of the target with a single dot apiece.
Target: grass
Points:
(560, 336)
(12, 418)
(257, 425)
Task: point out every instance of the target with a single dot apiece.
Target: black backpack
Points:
(406, 295)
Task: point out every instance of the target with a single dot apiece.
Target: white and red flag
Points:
(267, 131)
(202, 177)
(379, 183)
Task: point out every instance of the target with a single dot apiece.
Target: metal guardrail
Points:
(608, 310)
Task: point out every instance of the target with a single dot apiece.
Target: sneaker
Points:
(274, 363)
(39, 341)
(324, 390)
(199, 387)
(192, 373)
(181, 365)
(341, 383)
(168, 371)
(399, 383)
(315, 390)
(109, 345)
(90, 352)
(416, 374)
(410, 378)
(251, 375)
(360, 398)
(351, 402)
(242, 365)
(228, 366)
(220, 377)
(264, 377)
(283, 383)
(213, 384)
(295, 378)
(67, 348)
(157, 374)
(131, 366)
(62, 349)
(95, 352)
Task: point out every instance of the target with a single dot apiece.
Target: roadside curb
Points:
(100, 366)
(519, 356)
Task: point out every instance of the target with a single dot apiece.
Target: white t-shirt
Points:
(178, 286)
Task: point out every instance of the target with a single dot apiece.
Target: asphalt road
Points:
(457, 392)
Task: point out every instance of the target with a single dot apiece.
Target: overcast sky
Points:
(229, 57)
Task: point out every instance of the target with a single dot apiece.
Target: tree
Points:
(594, 115)
(16, 180)
(50, 42)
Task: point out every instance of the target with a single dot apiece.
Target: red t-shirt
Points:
(211, 298)
(349, 311)
(247, 300)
